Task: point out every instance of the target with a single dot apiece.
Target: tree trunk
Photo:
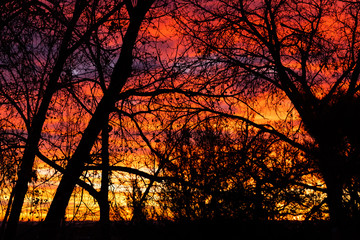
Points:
(104, 192)
(27, 161)
(19, 192)
(34, 132)
(331, 166)
(74, 169)
(334, 188)
(324, 127)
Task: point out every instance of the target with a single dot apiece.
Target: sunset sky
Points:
(269, 78)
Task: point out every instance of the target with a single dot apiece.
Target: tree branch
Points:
(95, 194)
(264, 127)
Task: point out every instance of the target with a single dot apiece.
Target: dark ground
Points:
(269, 230)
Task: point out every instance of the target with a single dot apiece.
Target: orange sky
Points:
(65, 120)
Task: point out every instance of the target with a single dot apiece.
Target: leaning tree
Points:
(44, 61)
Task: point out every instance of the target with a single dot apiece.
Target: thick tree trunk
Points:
(323, 125)
(334, 191)
(334, 200)
(331, 166)
(334, 186)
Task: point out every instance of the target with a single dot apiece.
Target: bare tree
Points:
(37, 41)
(229, 170)
(288, 51)
(107, 65)
(95, 43)
(119, 77)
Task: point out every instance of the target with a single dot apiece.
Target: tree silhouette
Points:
(37, 62)
(235, 110)
(24, 76)
(243, 174)
(288, 51)
(119, 76)
(95, 43)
